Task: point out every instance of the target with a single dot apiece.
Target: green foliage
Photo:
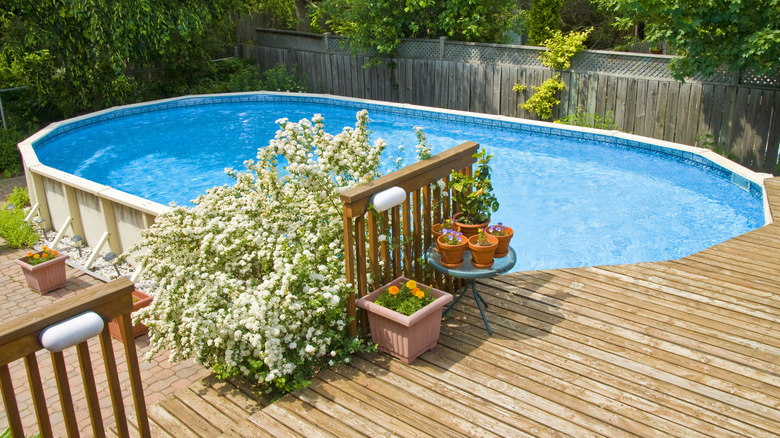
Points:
(7, 434)
(279, 79)
(377, 26)
(19, 197)
(76, 53)
(543, 19)
(581, 118)
(474, 194)
(16, 232)
(560, 49)
(407, 299)
(10, 158)
(543, 99)
(707, 35)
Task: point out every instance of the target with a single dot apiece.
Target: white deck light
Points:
(388, 198)
(72, 331)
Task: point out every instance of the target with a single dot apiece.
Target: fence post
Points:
(325, 39)
(2, 113)
(442, 41)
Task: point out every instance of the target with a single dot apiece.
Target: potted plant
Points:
(474, 195)
(483, 247)
(451, 246)
(43, 270)
(438, 229)
(405, 317)
(140, 300)
(504, 235)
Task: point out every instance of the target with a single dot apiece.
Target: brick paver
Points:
(160, 378)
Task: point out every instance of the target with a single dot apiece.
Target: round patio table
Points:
(470, 273)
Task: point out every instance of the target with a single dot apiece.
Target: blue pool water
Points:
(572, 201)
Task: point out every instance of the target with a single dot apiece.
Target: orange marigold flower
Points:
(411, 284)
(418, 293)
(393, 290)
(45, 248)
(54, 253)
(36, 256)
(29, 254)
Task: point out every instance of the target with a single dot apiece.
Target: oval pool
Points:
(574, 197)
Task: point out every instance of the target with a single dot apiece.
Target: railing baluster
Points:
(385, 246)
(396, 231)
(349, 269)
(418, 232)
(373, 251)
(9, 400)
(406, 222)
(39, 398)
(88, 377)
(66, 400)
(137, 389)
(109, 360)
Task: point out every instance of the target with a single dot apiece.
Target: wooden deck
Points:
(687, 348)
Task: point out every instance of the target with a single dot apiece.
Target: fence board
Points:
(654, 105)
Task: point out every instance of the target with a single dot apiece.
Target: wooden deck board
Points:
(682, 348)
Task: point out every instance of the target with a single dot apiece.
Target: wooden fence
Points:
(741, 112)
(19, 339)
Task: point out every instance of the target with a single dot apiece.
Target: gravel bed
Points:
(101, 268)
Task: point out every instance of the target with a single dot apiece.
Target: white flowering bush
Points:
(251, 279)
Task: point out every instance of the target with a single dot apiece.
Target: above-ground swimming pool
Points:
(574, 197)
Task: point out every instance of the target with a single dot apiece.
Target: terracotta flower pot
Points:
(503, 243)
(141, 300)
(482, 256)
(452, 255)
(405, 337)
(436, 230)
(469, 230)
(44, 277)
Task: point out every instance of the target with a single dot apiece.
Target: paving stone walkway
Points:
(160, 377)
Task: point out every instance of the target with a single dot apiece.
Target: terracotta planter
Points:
(482, 256)
(405, 337)
(469, 230)
(451, 255)
(436, 230)
(141, 300)
(44, 277)
(503, 243)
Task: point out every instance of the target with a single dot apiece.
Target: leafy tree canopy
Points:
(78, 51)
(377, 26)
(743, 34)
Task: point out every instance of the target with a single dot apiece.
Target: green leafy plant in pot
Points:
(474, 195)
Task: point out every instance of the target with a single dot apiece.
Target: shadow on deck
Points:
(687, 347)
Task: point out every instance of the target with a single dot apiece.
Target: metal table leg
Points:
(477, 297)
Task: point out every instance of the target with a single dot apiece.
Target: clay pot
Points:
(469, 230)
(452, 255)
(436, 230)
(503, 243)
(482, 256)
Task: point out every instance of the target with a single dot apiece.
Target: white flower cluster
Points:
(251, 279)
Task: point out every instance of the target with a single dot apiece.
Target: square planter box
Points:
(142, 300)
(44, 277)
(405, 337)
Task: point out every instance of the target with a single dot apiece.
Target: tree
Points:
(78, 52)
(377, 26)
(708, 34)
(544, 18)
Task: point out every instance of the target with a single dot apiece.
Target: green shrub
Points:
(561, 49)
(16, 232)
(10, 158)
(544, 99)
(20, 198)
(581, 118)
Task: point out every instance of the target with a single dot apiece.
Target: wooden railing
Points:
(382, 246)
(19, 339)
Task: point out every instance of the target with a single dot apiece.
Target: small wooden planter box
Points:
(405, 337)
(143, 300)
(44, 277)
